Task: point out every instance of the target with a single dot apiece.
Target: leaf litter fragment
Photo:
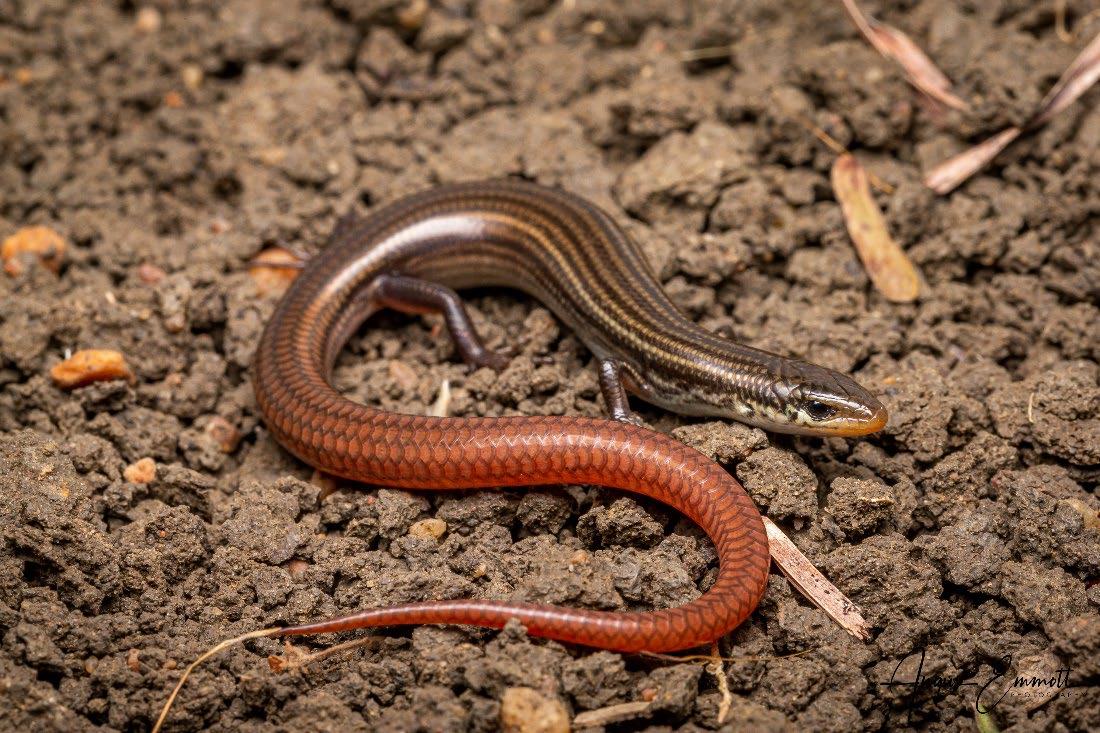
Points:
(920, 70)
(889, 268)
(812, 584)
(1075, 81)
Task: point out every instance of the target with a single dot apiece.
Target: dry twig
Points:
(294, 658)
(442, 405)
(681, 658)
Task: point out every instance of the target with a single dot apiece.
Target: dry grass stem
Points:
(681, 658)
(717, 669)
(442, 405)
(921, 72)
(294, 658)
(202, 658)
(1075, 81)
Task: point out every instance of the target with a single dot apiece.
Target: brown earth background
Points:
(190, 136)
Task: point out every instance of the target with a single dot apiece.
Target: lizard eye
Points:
(819, 410)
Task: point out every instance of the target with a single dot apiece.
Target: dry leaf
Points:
(920, 70)
(90, 365)
(890, 270)
(1075, 81)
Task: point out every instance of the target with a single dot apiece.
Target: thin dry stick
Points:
(610, 714)
(706, 53)
(1081, 74)
(815, 586)
(442, 405)
(202, 658)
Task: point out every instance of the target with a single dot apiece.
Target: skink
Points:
(411, 255)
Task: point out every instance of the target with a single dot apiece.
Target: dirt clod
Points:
(141, 472)
(524, 710)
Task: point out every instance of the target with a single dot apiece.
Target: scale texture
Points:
(310, 418)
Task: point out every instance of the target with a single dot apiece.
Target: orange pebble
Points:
(296, 568)
(273, 270)
(90, 365)
(42, 241)
(224, 434)
(140, 472)
(150, 274)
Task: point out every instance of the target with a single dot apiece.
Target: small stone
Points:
(141, 472)
(133, 661)
(524, 710)
(192, 76)
(223, 434)
(273, 270)
(44, 242)
(148, 20)
(88, 366)
(403, 375)
(296, 568)
(150, 274)
(411, 17)
(432, 527)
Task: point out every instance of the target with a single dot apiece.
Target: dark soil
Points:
(967, 530)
